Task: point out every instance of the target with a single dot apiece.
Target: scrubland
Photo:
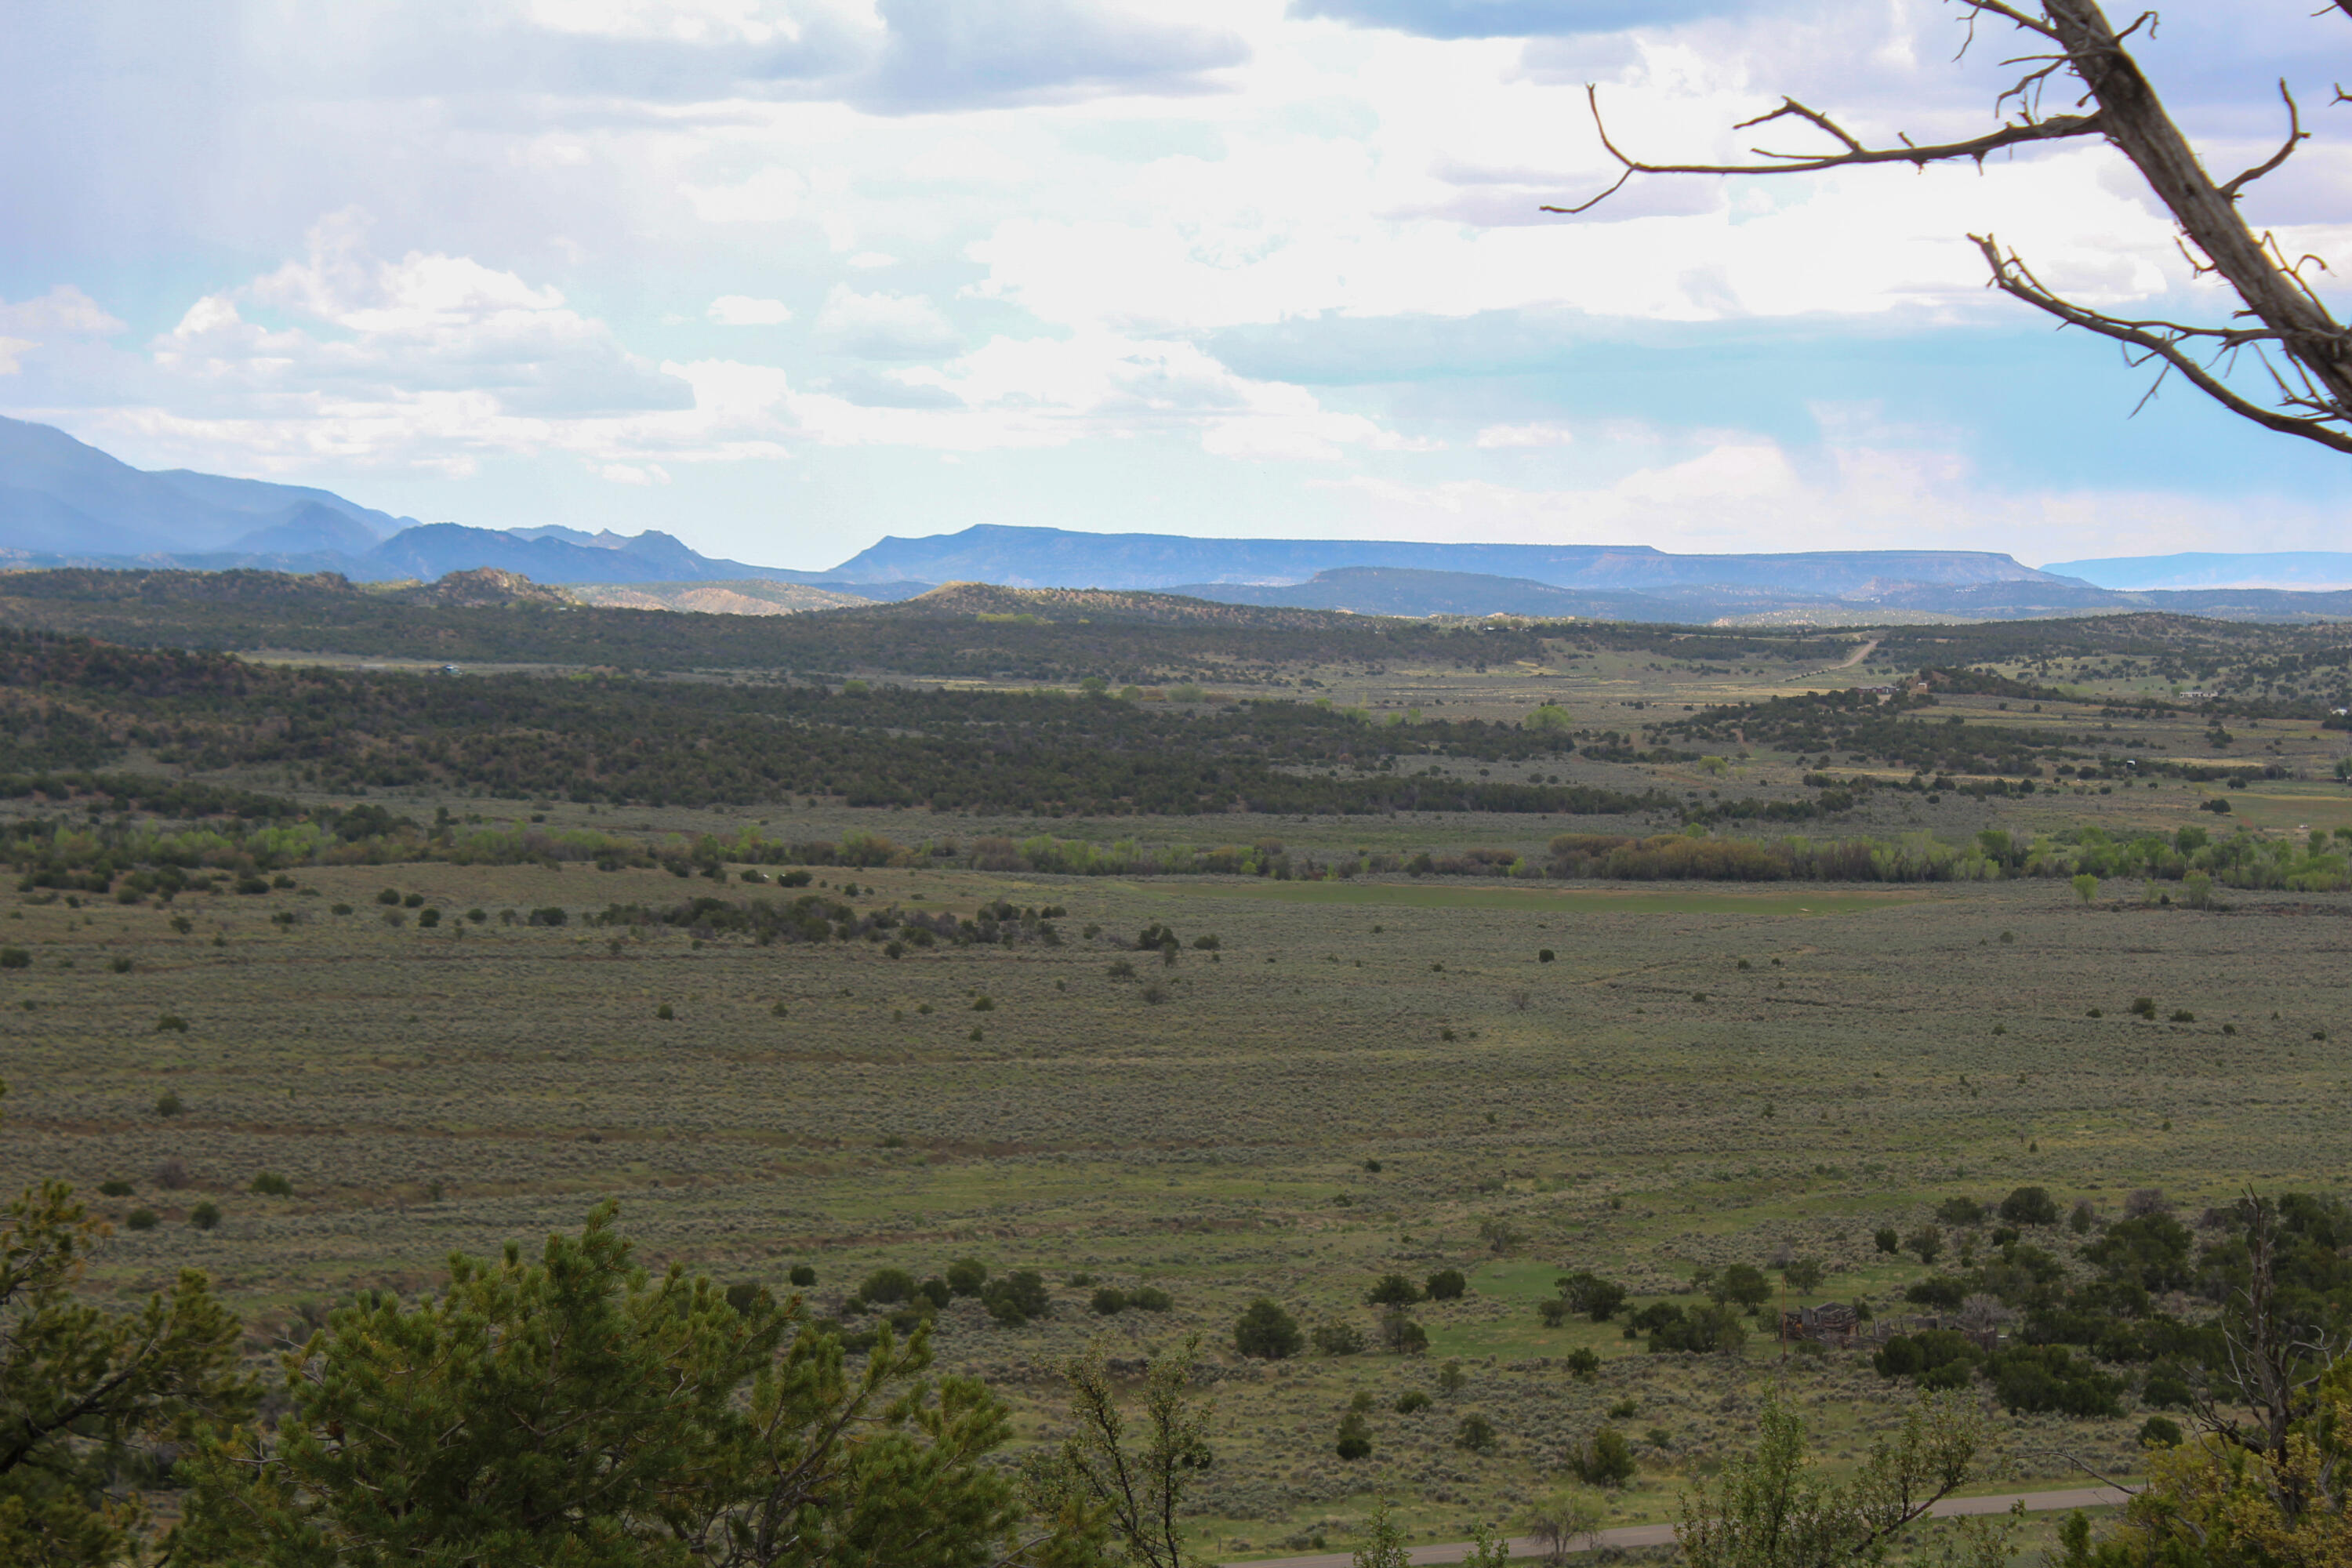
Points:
(1699, 1077)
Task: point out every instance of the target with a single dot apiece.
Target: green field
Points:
(1722, 1079)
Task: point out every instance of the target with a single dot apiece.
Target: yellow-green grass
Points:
(1215, 1142)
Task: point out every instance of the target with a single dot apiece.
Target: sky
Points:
(783, 277)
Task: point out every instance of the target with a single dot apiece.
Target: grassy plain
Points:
(1704, 1074)
(1642, 1106)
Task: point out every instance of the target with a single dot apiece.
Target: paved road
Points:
(1525, 1548)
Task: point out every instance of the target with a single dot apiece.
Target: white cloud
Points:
(771, 196)
(885, 326)
(634, 474)
(64, 315)
(1083, 205)
(65, 312)
(743, 310)
(1496, 437)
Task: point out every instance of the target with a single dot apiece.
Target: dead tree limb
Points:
(2307, 354)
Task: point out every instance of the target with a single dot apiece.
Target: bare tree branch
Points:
(2307, 353)
(1977, 147)
(2295, 133)
(2161, 340)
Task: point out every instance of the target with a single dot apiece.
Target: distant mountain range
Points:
(64, 503)
(1057, 558)
(2290, 569)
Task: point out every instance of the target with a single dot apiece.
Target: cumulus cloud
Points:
(885, 326)
(1508, 19)
(1299, 234)
(743, 310)
(429, 362)
(1496, 437)
(947, 53)
(65, 315)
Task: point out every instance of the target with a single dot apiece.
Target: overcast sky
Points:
(782, 277)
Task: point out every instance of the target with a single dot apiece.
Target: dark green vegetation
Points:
(966, 630)
(1020, 1083)
(80, 706)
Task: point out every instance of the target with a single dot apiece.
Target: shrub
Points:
(1596, 1298)
(1476, 1435)
(1926, 1353)
(2144, 1006)
(1715, 1328)
(15, 958)
(1392, 1291)
(2161, 1431)
(1544, 956)
(1450, 1379)
(886, 1286)
(983, 1004)
(172, 1175)
(966, 1276)
(2030, 1206)
(114, 1187)
(389, 896)
(1584, 1363)
(1553, 1312)
(1121, 969)
(803, 1274)
(1446, 1285)
(1961, 1212)
(2168, 1391)
(1410, 1400)
(1355, 1437)
(172, 1024)
(1804, 1275)
(1108, 1301)
(1266, 1330)
(1339, 1339)
(1017, 1298)
(1152, 1299)
(2041, 1379)
(666, 1012)
(1401, 1335)
(1887, 1240)
(139, 1219)
(270, 1185)
(428, 918)
(1743, 1284)
(1603, 1459)
(168, 1103)
(205, 1215)
(1926, 1242)
(935, 1290)
(1944, 1291)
